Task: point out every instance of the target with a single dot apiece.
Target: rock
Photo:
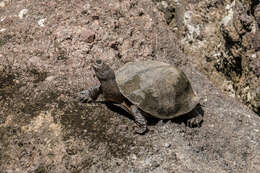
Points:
(154, 164)
(257, 32)
(22, 13)
(221, 37)
(167, 145)
(31, 139)
(3, 3)
(50, 78)
(88, 36)
(3, 29)
(123, 128)
(41, 22)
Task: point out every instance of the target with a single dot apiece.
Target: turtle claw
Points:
(195, 121)
(90, 94)
(84, 96)
(139, 120)
(141, 130)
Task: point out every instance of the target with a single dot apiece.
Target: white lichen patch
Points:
(41, 22)
(193, 29)
(23, 13)
(164, 4)
(2, 19)
(229, 88)
(254, 55)
(230, 14)
(2, 29)
(248, 95)
(3, 3)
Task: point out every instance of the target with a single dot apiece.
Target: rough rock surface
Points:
(45, 53)
(223, 37)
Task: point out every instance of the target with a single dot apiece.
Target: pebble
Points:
(123, 128)
(2, 120)
(167, 145)
(131, 170)
(41, 22)
(88, 36)
(22, 13)
(2, 4)
(35, 60)
(3, 18)
(155, 164)
(134, 157)
(50, 78)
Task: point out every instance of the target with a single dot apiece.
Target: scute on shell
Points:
(160, 89)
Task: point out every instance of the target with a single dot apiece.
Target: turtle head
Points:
(102, 70)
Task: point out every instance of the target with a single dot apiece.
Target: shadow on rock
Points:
(192, 119)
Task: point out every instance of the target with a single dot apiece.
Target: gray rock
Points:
(45, 124)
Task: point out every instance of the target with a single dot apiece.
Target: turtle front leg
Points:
(90, 94)
(139, 119)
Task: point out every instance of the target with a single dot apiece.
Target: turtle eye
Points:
(99, 62)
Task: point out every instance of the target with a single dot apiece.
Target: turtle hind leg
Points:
(90, 94)
(196, 119)
(139, 120)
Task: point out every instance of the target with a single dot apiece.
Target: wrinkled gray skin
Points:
(109, 89)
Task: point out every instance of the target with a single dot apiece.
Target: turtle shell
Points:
(160, 89)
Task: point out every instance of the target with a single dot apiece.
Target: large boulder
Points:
(43, 66)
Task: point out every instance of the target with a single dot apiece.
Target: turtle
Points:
(144, 88)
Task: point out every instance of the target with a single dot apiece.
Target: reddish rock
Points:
(88, 36)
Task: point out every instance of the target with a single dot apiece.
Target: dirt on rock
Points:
(46, 48)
